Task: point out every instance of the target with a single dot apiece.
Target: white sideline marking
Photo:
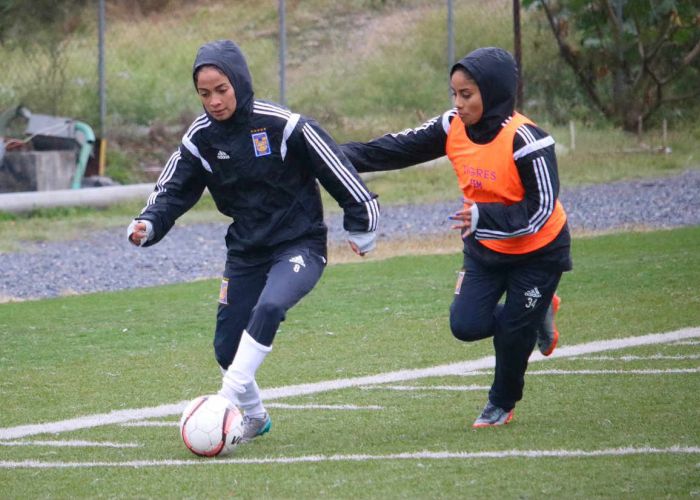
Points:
(675, 357)
(687, 342)
(285, 406)
(113, 417)
(615, 372)
(649, 371)
(150, 423)
(421, 455)
(120, 416)
(426, 388)
(76, 444)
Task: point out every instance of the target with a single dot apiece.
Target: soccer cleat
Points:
(255, 426)
(492, 416)
(547, 334)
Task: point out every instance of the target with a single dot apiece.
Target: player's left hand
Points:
(464, 218)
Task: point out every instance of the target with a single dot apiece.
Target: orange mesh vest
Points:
(487, 173)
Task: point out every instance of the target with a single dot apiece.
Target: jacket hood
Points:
(495, 72)
(228, 57)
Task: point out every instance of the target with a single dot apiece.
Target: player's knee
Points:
(466, 329)
(270, 310)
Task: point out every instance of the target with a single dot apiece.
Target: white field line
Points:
(113, 417)
(687, 342)
(644, 371)
(121, 416)
(75, 444)
(151, 423)
(651, 371)
(652, 357)
(285, 406)
(460, 388)
(421, 455)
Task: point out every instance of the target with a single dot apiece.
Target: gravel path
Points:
(108, 262)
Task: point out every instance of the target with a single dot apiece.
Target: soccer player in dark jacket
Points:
(515, 232)
(261, 163)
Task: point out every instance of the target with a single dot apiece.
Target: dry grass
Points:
(393, 247)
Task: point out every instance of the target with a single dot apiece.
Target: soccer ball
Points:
(211, 426)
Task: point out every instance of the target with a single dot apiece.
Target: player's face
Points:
(467, 98)
(216, 93)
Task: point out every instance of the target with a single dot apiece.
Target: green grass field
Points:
(598, 420)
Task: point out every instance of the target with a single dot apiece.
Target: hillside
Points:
(360, 67)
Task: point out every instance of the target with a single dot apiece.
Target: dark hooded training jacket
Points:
(261, 167)
(495, 72)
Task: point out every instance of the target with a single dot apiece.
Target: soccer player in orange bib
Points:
(515, 232)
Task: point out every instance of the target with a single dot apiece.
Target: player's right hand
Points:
(139, 232)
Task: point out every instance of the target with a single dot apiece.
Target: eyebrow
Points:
(216, 87)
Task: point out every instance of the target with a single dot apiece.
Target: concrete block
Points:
(37, 170)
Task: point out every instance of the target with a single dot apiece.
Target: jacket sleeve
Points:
(337, 175)
(403, 149)
(179, 187)
(536, 162)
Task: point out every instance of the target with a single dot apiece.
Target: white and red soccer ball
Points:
(211, 426)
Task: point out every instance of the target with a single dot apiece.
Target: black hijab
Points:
(496, 74)
(228, 57)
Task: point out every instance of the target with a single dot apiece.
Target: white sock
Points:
(238, 384)
(250, 401)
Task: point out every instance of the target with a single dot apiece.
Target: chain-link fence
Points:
(361, 67)
(60, 71)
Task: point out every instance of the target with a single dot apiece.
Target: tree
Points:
(39, 30)
(22, 20)
(630, 57)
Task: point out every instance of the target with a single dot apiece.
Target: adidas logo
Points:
(534, 293)
(298, 260)
(222, 155)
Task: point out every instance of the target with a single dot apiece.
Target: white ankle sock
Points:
(238, 384)
(250, 401)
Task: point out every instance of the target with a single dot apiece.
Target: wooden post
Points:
(664, 137)
(572, 135)
(639, 128)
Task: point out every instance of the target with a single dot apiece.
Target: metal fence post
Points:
(283, 50)
(450, 43)
(517, 48)
(101, 66)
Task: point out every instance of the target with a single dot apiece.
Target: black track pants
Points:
(476, 314)
(257, 297)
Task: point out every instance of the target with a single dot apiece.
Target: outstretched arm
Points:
(340, 179)
(403, 149)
